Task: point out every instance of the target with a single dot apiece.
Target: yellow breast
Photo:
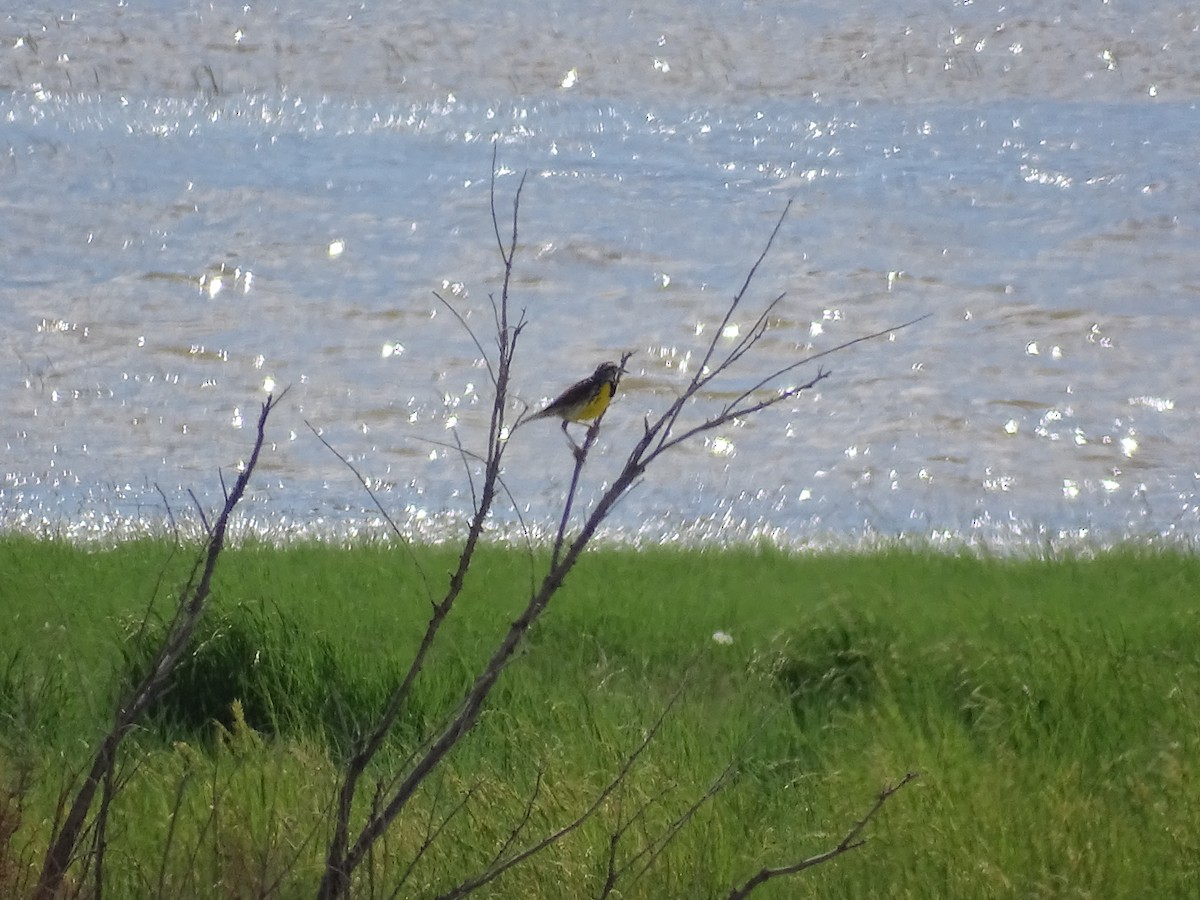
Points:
(596, 405)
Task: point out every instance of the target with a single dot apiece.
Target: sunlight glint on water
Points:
(196, 220)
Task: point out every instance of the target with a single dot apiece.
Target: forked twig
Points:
(498, 868)
(193, 599)
(850, 841)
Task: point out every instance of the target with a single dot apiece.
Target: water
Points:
(201, 201)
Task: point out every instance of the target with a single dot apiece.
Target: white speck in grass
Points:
(724, 638)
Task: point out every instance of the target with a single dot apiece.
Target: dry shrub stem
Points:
(661, 434)
(190, 607)
(852, 840)
(343, 857)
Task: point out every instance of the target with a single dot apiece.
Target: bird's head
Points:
(608, 371)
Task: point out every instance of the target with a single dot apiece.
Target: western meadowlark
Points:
(585, 400)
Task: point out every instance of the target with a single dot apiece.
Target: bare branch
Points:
(653, 850)
(170, 514)
(730, 412)
(172, 821)
(432, 834)
(523, 821)
(752, 336)
(400, 536)
(191, 605)
(200, 512)
(497, 869)
(850, 841)
(470, 454)
(344, 856)
(731, 409)
(470, 332)
(737, 298)
(466, 461)
(492, 203)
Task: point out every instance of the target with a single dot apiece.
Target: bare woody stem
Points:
(346, 855)
(852, 840)
(193, 599)
(343, 857)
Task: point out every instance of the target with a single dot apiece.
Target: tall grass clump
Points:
(258, 658)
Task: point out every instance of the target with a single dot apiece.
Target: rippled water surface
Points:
(200, 202)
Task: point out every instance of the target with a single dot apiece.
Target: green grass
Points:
(1052, 708)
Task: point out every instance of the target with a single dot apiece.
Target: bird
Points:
(586, 400)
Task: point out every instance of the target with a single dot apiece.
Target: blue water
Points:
(192, 218)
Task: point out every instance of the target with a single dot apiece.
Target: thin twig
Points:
(850, 841)
(467, 328)
(499, 868)
(432, 833)
(523, 821)
(170, 514)
(400, 536)
(731, 409)
(191, 604)
(172, 821)
(526, 533)
(200, 512)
